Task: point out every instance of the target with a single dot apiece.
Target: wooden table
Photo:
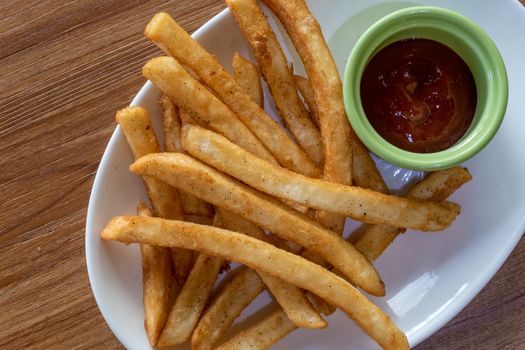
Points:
(65, 72)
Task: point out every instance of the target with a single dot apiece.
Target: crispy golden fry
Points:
(191, 96)
(306, 35)
(136, 127)
(191, 205)
(261, 335)
(291, 298)
(295, 304)
(303, 85)
(374, 240)
(364, 170)
(262, 256)
(171, 125)
(237, 223)
(437, 186)
(358, 203)
(277, 73)
(320, 305)
(171, 38)
(247, 75)
(218, 189)
(186, 118)
(237, 294)
(192, 299)
(440, 185)
(158, 285)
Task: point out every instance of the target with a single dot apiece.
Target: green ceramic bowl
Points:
(470, 42)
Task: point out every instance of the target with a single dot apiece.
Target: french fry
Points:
(306, 35)
(138, 131)
(247, 75)
(357, 203)
(237, 294)
(364, 170)
(291, 298)
(237, 223)
(137, 128)
(303, 85)
(159, 288)
(192, 299)
(437, 186)
(171, 125)
(191, 205)
(182, 171)
(262, 256)
(202, 105)
(261, 335)
(171, 38)
(277, 73)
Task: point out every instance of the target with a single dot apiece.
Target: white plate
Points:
(430, 277)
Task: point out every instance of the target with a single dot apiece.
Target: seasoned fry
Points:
(203, 106)
(137, 129)
(250, 81)
(218, 189)
(238, 293)
(277, 73)
(440, 185)
(364, 170)
(171, 125)
(262, 256)
(437, 186)
(186, 118)
(191, 205)
(159, 288)
(171, 38)
(295, 304)
(306, 35)
(303, 85)
(261, 335)
(247, 76)
(237, 223)
(191, 301)
(291, 298)
(358, 203)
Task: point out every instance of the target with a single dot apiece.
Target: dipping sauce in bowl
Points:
(419, 95)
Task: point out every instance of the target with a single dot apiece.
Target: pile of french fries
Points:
(231, 185)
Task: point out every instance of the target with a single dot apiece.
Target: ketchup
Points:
(419, 95)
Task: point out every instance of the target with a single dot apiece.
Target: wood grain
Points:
(66, 67)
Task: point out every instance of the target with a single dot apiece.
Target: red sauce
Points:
(419, 95)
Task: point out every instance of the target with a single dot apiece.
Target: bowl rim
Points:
(475, 139)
